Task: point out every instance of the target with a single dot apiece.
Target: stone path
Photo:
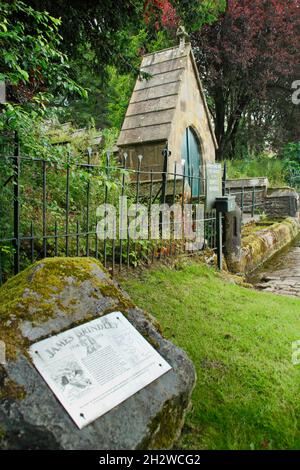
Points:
(282, 276)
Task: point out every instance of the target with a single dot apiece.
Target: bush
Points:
(274, 168)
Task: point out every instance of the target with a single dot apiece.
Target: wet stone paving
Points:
(281, 275)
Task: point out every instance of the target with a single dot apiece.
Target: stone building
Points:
(168, 107)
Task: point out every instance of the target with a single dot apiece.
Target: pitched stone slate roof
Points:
(153, 102)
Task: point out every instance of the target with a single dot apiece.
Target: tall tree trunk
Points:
(220, 113)
(227, 134)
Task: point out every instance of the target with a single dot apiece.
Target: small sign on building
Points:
(96, 366)
(213, 184)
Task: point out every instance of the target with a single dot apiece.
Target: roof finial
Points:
(183, 36)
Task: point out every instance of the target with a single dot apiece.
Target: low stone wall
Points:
(259, 246)
(282, 201)
(245, 189)
(275, 202)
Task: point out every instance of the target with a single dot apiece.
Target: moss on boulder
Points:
(48, 290)
(52, 296)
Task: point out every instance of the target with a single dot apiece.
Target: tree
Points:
(105, 41)
(31, 64)
(98, 24)
(161, 14)
(245, 57)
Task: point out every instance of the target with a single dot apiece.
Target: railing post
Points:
(219, 241)
(182, 204)
(224, 179)
(242, 201)
(32, 242)
(77, 237)
(150, 213)
(16, 165)
(44, 169)
(55, 239)
(107, 161)
(88, 189)
(253, 202)
(166, 153)
(137, 194)
(220, 223)
(122, 215)
(172, 236)
(67, 206)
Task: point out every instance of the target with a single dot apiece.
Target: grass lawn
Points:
(248, 392)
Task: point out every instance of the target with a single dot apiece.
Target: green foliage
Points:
(280, 169)
(291, 155)
(29, 41)
(262, 165)
(110, 80)
(239, 340)
(161, 41)
(119, 21)
(109, 92)
(31, 64)
(195, 14)
(43, 86)
(110, 137)
(104, 61)
(91, 110)
(118, 95)
(97, 24)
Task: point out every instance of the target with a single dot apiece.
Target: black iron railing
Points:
(49, 208)
(250, 200)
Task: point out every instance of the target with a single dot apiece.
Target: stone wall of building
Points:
(191, 112)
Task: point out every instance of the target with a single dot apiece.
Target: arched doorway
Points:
(191, 153)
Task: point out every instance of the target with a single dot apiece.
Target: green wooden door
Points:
(190, 152)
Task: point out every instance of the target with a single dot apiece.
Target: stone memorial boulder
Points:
(52, 296)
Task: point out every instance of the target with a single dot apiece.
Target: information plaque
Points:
(213, 184)
(94, 367)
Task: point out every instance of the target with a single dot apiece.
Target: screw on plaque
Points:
(82, 416)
